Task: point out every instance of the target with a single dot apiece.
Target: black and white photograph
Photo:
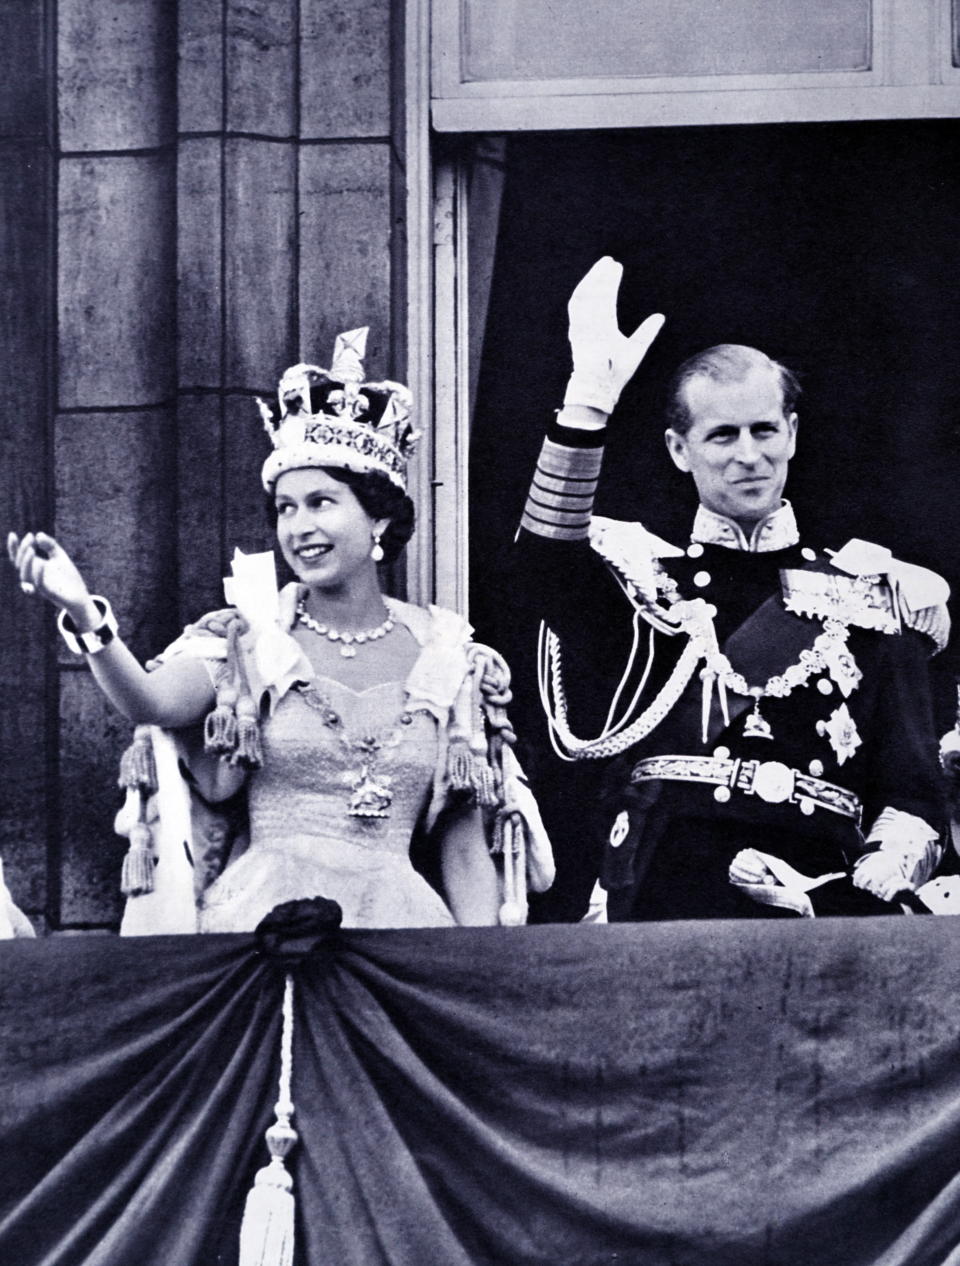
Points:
(480, 721)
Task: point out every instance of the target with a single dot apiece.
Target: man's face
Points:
(739, 444)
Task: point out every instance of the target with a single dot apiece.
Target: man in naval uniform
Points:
(763, 707)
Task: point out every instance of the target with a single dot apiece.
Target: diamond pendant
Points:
(369, 799)
(348, 652)
(756, 725)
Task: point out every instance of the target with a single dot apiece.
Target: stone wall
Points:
(195, 196)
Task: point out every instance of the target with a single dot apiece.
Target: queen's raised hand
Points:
(47, 569)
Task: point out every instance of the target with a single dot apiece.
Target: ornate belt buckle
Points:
(773, 781)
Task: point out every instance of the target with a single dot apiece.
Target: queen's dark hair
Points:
(380, 499)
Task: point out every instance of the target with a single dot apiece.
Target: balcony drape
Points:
(757, 1094)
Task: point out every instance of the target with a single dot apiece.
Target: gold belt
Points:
(771, 780)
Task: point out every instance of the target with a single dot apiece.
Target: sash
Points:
(766, 643)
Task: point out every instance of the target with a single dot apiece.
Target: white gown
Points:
(305, 842)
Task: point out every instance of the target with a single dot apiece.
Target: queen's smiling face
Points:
(323, 531)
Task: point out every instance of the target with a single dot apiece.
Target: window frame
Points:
(912, 76)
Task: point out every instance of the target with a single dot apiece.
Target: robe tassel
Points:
(136, 876)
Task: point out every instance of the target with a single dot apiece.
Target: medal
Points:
(842, 732)
(370, 795)
(756, 724)
(842, 667)
(370, 799)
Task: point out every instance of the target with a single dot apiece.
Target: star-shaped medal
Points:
(842, 667)
(841, 730)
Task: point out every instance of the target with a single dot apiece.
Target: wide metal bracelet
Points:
(93, 640)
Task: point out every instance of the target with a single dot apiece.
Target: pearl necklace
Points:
(348, 641)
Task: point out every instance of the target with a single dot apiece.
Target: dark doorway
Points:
(830, 246)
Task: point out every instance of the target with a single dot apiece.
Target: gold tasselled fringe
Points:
(248, 752)
(220, 726)
(460, 765)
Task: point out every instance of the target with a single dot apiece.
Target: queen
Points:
(324, 740)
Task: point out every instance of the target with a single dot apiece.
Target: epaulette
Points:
(631, 551)
(865, 586)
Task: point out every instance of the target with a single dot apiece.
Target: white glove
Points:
(604, 360)
(748, 867)
(883, 873)
(908, 854)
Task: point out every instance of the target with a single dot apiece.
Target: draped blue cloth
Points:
(746, 1093)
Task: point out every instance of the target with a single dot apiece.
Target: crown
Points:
(331, 417)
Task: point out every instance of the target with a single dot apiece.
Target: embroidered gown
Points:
(304, 842)
(346, 793)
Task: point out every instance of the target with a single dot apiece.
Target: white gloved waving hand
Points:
(604, 359)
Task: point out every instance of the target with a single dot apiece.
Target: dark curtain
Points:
(751, 1094)
(833, 247)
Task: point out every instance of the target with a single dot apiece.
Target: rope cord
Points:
(284, 1106)
(553, 698)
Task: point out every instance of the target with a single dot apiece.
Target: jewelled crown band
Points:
(331, 417)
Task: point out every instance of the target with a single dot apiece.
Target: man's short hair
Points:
(727, 362)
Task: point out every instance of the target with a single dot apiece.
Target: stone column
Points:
(114, 433)
(285, 237)
(195, 195)
(27, 386)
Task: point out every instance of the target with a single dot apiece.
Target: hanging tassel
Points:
(722, 692)
(706, 701)
(137, 765)
(248, 753)
(266, 1233)
(220, 725)
(497, 834)
(136, 877)
(459, 769)
(485, 784)
(513, 910)
(249, 750)
(460, 765)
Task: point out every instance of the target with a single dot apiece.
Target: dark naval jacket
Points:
(832, 755)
